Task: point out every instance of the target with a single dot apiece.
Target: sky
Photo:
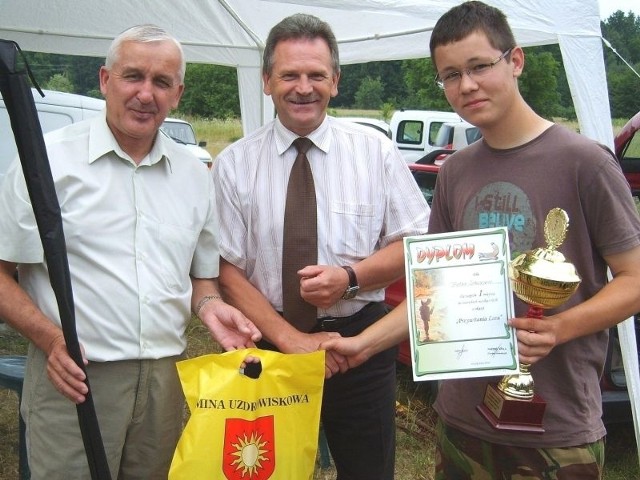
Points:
(607, 7)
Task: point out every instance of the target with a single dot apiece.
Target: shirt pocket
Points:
(177, 247)
(354, 229)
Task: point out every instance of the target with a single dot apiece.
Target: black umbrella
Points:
(37, 172)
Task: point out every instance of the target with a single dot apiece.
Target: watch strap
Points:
(353, 280)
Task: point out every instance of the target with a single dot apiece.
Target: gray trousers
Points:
(140, 407)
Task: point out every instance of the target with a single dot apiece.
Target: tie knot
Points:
(302, 144)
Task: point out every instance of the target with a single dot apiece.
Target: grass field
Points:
(415, 418)
(415, 421)
(220, 133)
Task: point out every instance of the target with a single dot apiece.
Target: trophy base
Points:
(506, 413)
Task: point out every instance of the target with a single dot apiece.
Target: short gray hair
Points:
(300, 26)
(142, 34)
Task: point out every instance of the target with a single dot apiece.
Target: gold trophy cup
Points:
(543, 279)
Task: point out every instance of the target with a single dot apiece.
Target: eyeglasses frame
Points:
(442, 85)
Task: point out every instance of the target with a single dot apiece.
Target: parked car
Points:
(182, 132)
(615, 398)
(414, 131)
(451, 136)
(456, 135)
(55, 110)
(627, 149)
(378, 125)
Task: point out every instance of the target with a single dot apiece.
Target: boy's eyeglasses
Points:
(452, 79)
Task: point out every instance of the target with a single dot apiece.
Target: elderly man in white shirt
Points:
(141, 229)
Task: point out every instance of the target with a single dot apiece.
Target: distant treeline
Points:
(212, 90)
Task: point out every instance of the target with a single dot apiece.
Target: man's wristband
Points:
(203, 301)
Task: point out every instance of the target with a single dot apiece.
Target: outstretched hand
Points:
(347, 352)
(228, 326)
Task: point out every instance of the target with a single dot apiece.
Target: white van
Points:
(182, 133)
(55, 110)
(414, 131)
(457, 135)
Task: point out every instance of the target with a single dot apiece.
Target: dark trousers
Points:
(358, 410)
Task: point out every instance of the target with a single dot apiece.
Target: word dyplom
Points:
(447, 252)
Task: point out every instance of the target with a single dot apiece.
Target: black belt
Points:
(333, 324)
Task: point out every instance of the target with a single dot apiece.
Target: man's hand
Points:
(300, 342)
(536, 337)
(349, 352)
(228, 326)
(323, 285)
(67, 377)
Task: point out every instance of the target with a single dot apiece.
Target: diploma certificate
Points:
(458, 302)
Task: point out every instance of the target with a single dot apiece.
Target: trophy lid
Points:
(542, 276)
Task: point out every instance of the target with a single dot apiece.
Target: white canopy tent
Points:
(233, 32)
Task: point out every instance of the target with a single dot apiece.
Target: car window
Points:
(181, 132)
(631, 151)
(410, 131)
(434, 130)
(444, 136)
(472, 135)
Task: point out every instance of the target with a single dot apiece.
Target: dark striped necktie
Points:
(300, 238)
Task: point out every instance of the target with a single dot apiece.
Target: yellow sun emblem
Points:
(250, 454)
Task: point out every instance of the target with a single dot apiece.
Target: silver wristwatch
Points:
(352, 289)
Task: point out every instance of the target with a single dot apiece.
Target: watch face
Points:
(350, 293)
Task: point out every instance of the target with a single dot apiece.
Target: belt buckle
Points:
(327, 322)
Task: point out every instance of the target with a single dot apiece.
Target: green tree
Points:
(392, 80)
(350, 79)
(565, 108)
(59, 82)
(623, 91)
(45, 65)
(538, 83)
(387, 110)
(352, 76)
(622, 31)
(423, 93)
(81, 71)
(210, 91)
(84, 73)
(369, 95)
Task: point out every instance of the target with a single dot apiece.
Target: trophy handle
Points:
(534, 312)
(521, 385)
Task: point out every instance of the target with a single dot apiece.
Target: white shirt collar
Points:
(321, 136)
(104, 142)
